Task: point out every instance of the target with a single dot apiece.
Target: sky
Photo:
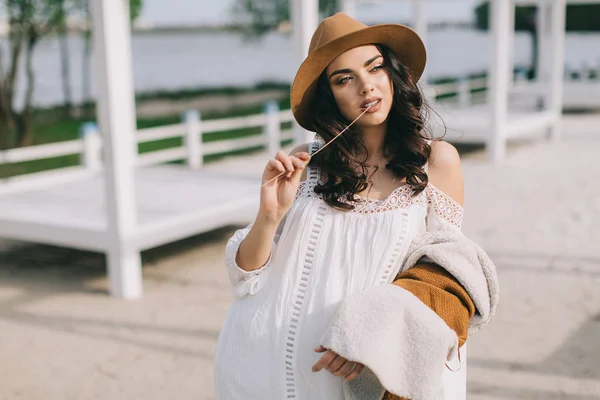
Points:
(202, 12)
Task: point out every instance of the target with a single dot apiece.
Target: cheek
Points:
(343, 102)
(386, 86)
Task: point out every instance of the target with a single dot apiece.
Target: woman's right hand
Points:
(277, 196)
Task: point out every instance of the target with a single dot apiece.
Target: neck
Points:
(373, 138)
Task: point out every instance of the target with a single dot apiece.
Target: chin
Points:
(371, 120)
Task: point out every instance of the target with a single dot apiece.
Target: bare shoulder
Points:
(303, 148)
(443, 154)
(445, 172)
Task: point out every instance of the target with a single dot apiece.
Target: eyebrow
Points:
(346, 71)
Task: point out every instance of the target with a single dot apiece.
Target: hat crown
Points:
(334, 27)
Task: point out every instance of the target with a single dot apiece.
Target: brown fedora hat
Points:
(339, 33)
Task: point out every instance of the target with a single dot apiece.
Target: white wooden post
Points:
(348, 7)
(419, 19)
(498, 92)
(543, 28)
(90, 136)
(193, 139)
(305, 17)
(511, 44)
(116, 115)
(272, 127)
(419, 24)
(555, 100)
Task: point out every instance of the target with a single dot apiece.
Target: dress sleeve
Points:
(443, 213)
(247, 283)
(244, 282)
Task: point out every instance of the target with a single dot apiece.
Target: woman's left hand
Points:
(337, 365)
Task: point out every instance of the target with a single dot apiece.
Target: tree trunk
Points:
(16, 42)
(86, 73)
(6, 124)
(65, 70)
(8, 84)
(23, 121)
(87, 65)
(5, 120)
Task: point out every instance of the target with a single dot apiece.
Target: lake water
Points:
(191, 60)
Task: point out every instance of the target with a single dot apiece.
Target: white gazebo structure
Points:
(494, 122)
(126, 202)
(577, 94)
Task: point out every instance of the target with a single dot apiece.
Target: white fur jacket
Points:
(403, 344)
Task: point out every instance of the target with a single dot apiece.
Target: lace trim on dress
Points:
(295, 321)
(402, 197)
(398, 249)
(444, 206)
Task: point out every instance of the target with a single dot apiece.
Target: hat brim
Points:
(400, 39)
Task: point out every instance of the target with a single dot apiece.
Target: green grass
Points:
(48, 129)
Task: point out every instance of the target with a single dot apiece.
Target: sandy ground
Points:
(537, 214)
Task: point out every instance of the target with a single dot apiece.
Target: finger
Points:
(299, 168)
(324, 361)
(345, 369)
(354, 374)
(336, 364)
(303, 156)
(276, 165)
(298, 163)
(320, 349)
(283, 158)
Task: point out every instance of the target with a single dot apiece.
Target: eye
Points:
(343, 80)
(377, 68)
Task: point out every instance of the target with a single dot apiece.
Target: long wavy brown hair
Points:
(405, 143)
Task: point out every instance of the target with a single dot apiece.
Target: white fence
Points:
(462, 88)
(196, 145)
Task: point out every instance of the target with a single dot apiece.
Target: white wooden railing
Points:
(193, 130)
(462, 88)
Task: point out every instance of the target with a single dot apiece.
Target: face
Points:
(359, 78)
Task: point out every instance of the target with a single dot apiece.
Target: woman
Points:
(341, 222)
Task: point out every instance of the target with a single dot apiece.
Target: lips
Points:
(370, 102)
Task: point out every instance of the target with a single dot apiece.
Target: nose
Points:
(367, 86)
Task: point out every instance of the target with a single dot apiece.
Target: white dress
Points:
(319, 256)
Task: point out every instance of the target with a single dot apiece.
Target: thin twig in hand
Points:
(326, 144)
